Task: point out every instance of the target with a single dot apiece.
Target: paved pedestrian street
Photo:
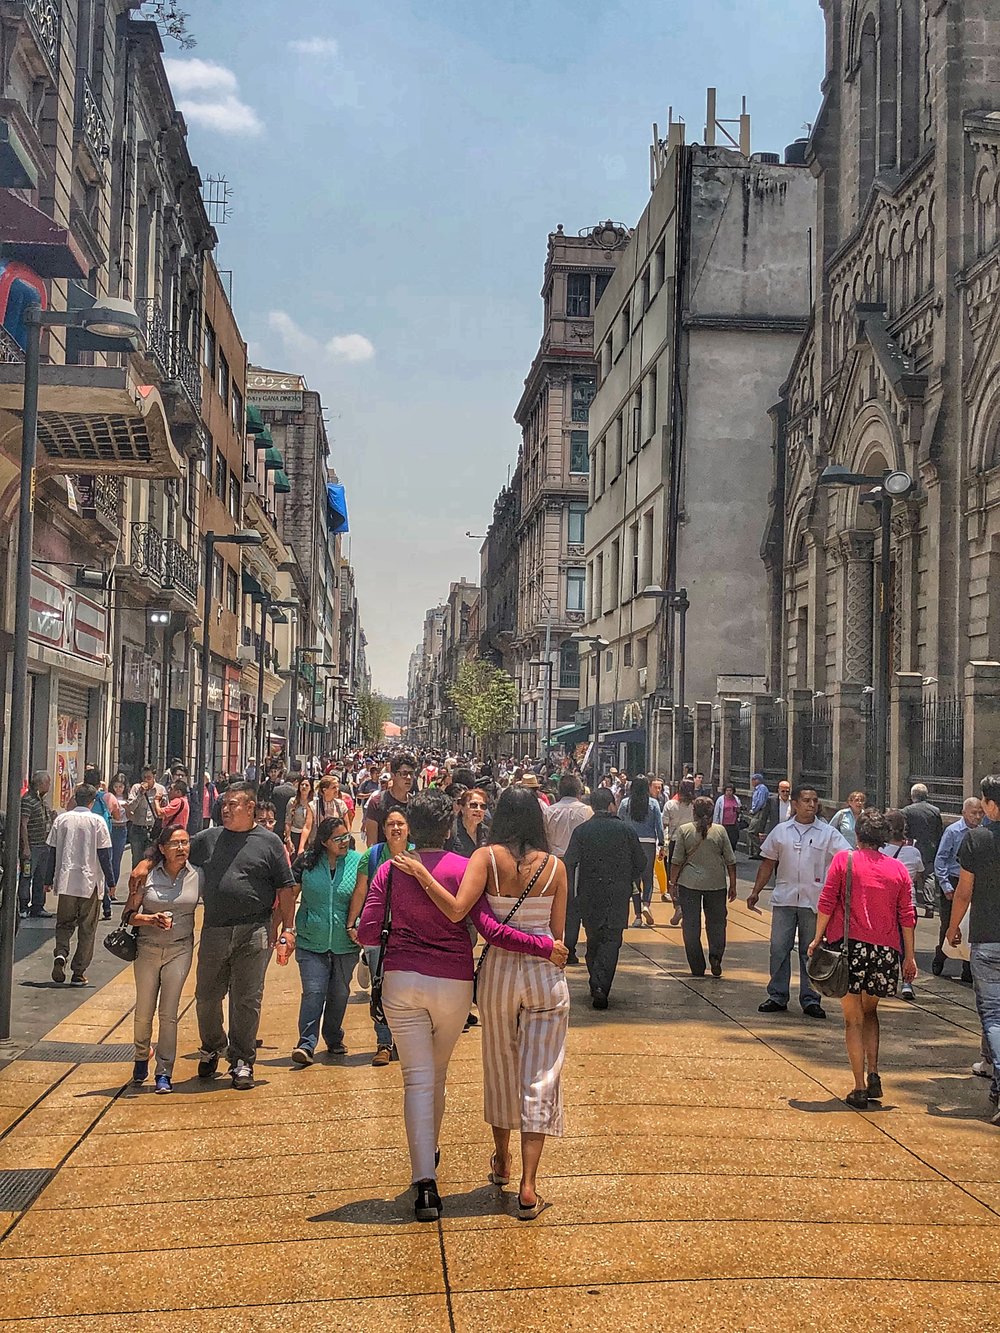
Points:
(710, 1179)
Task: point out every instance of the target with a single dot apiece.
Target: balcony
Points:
(100, 496)
(147, 551)
(11, 352)
(91, 124)
(180, 570)
(169, 354)
(43, 20)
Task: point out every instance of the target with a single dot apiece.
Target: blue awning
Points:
(336, 508)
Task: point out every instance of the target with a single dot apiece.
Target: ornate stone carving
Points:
(856, 549)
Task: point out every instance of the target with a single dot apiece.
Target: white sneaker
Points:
(995, 1118)
(983, 1069)
(638, 923)
(242, 1075)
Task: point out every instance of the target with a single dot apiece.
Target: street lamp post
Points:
(547, 664)
(675, 599)
(892, 485)
(269, 608)
(293, 705)
(245, 537)
(597, 645)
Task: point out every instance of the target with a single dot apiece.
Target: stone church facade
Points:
(900, 369)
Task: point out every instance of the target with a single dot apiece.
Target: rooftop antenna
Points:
(217, 197)
(714, 125)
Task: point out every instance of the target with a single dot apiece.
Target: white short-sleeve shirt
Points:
(77, 835)
(803, 853)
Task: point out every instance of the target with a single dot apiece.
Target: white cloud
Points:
(208, 95)
(313, 46)
(350, 347)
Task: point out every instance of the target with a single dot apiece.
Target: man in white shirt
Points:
(800, 849)
(81, 868)
(568, 813)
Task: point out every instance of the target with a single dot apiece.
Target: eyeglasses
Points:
(341, 837)
(477, 805)
(405, 773)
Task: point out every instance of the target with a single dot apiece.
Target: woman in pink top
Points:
(428, 979)
(882, 913)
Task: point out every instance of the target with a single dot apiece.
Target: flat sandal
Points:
(494, 1177)
(528, 1212)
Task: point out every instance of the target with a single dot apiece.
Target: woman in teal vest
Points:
(328, 875)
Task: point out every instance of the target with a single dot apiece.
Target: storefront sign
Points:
(60, 617)
(215, 694)
(71, 734)
(135, 676)
(233, 695)
(273, 392)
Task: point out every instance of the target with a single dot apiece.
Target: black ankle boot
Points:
(427, 1201)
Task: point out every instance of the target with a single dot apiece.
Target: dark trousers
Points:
(139, 836)
(603, 946)
(31, 887)
(693, 903)
(232, 961)
(572, 932)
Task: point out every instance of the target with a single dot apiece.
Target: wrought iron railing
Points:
(180, 568)
(11, 352)
(43, 15)
(108, 491)
(147, 550)
(169, 351)
(938, 755)
(774, 761)
(816, 748)
(739, 749)
(186, 370)
(91, 121)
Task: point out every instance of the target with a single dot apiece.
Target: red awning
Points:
(31, 236)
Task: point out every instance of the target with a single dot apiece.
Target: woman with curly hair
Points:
(881, 913)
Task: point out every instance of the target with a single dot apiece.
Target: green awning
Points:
(571, 733)
(255, 422)
(251, 587)
(264, 440)
(282, 486)
(273, 460)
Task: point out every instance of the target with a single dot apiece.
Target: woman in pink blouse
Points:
(428, 969)
(882, 913)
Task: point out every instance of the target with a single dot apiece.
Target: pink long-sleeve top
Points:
(421, 938)
(881, 898)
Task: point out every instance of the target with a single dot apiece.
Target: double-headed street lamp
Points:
(674, 599)
(271, 609)
(892, 485)
(245, 537)
(293, 704)
(597, 644)
(547, 664)
(117, 321)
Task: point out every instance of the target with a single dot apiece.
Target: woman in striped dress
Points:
(523, 1001)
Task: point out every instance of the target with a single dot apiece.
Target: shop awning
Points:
(633, 736)
(255, 422)
(251, 587)
(571, 733)
(282, 486)
(30, 235)
(336, 508)
(264, 440)
(273, 460)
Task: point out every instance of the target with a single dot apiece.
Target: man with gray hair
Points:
(924, 828)
(36, 820)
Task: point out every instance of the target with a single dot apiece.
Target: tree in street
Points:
(485, 697)
(373, 713)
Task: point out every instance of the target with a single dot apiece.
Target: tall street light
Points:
(547, 664)
(271, 609)
(892, 485)
(107, 318)
(675, 599)
(245, 537)
(293, 705)
(598, 645)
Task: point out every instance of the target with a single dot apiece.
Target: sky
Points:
(395, 170)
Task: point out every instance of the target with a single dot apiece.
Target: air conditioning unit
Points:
(244, 653)
(643, 671)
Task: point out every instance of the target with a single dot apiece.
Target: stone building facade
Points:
(899, 370)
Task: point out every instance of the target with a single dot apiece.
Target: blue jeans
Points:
(119, 837)
(985, 960)
(785, 921)
(383, 1036)
(326, 986)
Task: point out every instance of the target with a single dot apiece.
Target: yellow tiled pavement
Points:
(710, 1177)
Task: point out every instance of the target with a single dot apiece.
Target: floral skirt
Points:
(874, 969)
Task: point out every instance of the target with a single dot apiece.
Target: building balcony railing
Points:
(147, 551)
(186, 370)
(43, 17)
(170, 354)
(180, 569)
(91, 121)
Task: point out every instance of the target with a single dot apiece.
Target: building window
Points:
(633, 537)
(607, 357)
(646, 550)
(569, 666)
(218, 575)
(576, 584)
(583, 395)
(577, 294)
(650, 401)
(601, 281)
(232, 591)
(619, 442)
(609, 660)
(642, 651)
(575, 522)
(614, 574)
(211, 348)
(599, 587)
(579, 456)
(239, 413)
(593, 664)
(627, 653)
(220, 476)
(235, 497)
(223, 379)
(645, 289)
(660, 265)
(626, 324)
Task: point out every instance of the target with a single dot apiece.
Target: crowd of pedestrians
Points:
(381, 873)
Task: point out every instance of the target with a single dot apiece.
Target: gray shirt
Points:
(180, 896)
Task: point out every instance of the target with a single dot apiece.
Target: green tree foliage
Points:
(170, 19)
(373, 713)
(486, 699)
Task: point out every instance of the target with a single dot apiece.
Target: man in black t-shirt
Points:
(979, 885)
(246, 875)
(403, 769)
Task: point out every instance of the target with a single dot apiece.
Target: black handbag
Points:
(123, 943)
(829, 968)
(378, 974)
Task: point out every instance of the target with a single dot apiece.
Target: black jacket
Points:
(606, 861)
(773, 814)
(924, 827)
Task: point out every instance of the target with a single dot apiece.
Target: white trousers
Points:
(426, 1015)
